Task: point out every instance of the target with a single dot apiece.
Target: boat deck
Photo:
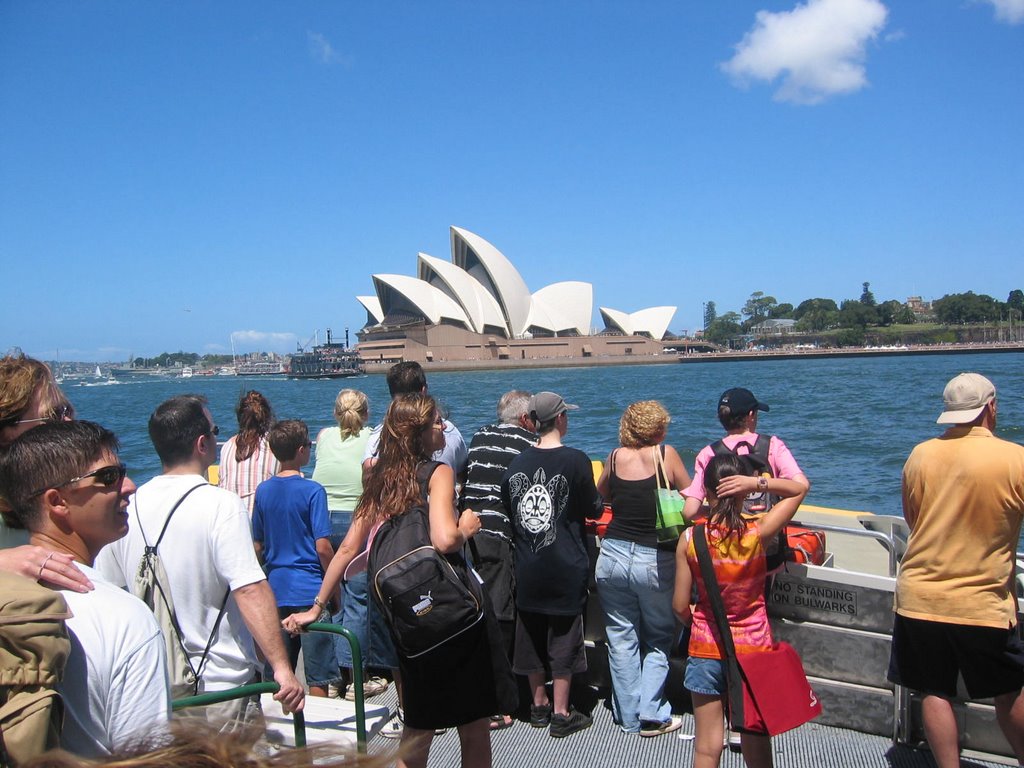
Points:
(604, 746)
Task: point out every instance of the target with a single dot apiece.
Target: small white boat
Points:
(186, 373)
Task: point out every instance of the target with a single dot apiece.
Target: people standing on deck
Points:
(548, 491)
(736, 545)
(491, 450)
(220, 593)
(67, 487)
(466, 679)
(246, 459)
(291, 531)
(738, 412)
(339, 469)
(635, 574)
(956, 609)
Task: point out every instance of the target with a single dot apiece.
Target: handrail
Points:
(884, 539)
(299, 720)
(357, 676)
(242, 691)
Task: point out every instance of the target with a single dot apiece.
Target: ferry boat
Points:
(326, 361)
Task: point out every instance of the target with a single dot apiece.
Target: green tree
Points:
(854, 314)
(757, 308)
(904, 315)
(867, 298)
(782, 311)
(710, 313)
(969, 307)
(814, 305)
(724, 328)
(885, 313)
(1015, 300)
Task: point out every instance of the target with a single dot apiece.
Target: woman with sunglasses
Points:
(29, 396)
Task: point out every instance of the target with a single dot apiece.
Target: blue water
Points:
(850, 422)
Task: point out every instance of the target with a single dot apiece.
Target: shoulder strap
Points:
(166, 522)
(734, 677)
(760, 448)
(660, 473)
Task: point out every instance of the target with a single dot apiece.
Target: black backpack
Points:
(427, 598)
(759, 502)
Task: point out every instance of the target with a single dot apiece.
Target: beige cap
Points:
(965, 397)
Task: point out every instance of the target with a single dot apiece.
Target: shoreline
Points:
(705, 357)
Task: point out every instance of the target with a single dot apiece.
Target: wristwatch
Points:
(762, 483)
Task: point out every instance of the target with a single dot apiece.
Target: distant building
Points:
(478, 307)
(918, 306)
(775, 327)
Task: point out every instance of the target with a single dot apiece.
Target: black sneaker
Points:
(566, 725)
(540, 715)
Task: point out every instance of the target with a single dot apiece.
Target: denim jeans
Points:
(361, 616)
(635, 585)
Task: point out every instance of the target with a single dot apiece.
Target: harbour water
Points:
(850, 422)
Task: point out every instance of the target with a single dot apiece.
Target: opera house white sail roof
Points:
(481, 290)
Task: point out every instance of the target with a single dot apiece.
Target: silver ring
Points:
(43, 565)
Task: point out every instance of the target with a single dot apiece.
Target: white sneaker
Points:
(371, 687)
(654, 728)
(393, 728)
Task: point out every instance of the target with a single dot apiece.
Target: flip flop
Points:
(499, 723)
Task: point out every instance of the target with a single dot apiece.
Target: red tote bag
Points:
(776, 694)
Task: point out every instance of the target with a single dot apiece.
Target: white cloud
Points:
(1008, 11)
(263, 341)
(320, 48)
(817, 49)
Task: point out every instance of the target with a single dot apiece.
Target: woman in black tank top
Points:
(635, 575)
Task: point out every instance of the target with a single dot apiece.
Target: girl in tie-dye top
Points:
(736, 545)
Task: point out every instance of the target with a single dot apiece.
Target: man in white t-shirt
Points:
(409, 378)
(208, 556)
(68, 489)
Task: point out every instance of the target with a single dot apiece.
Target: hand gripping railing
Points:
(299, 721)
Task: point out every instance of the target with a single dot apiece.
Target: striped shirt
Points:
(242, 477)
(490, 452)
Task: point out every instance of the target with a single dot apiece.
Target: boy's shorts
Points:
(548, 644)
(928, 656)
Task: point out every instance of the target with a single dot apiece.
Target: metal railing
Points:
(298, 719)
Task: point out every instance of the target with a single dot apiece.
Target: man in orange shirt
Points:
(956, 612)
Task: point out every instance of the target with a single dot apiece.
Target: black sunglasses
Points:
(108, 477)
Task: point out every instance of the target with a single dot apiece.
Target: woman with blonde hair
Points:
(339, 457)
(635, 574)
(463, 681)
(246, 459)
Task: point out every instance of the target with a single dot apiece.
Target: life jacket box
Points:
(806, 545)
(598, 526)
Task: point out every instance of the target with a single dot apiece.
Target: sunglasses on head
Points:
(108, 477)
(60, 413)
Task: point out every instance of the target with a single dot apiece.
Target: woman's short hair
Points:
(642, 424)
(351, 410)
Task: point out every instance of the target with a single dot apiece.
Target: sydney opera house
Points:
(477, 307)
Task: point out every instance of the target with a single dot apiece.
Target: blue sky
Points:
(175, 174)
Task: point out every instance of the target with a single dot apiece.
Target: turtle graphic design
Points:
(538, 503)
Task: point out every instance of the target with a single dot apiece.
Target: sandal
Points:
(501, 722)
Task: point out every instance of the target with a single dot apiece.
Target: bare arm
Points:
(445, 534)
(351, 546)
(674, 468)
(325, 552)
(604, 482)
(692, 507)
(744, 485)
(54, 569)
(259, 611)
(684, 583)
(779, 515)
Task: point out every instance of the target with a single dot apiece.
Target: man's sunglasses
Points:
(108, 477)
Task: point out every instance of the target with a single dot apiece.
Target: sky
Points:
(195, 175)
